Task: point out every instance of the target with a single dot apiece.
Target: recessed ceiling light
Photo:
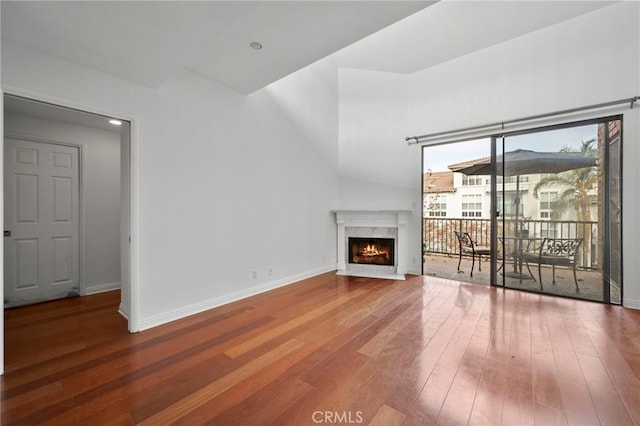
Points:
(255, 45)
(115, 122)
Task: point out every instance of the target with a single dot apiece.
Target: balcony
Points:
(441, 255)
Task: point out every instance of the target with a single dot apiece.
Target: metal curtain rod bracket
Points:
(419, 139)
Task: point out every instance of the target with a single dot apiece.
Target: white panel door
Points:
(41, 221)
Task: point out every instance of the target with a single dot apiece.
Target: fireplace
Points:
(372, 243)
(372, 251)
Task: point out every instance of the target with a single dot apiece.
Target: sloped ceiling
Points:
(450, 29)
(149, 41)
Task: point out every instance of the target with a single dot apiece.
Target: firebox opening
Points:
(372, 251)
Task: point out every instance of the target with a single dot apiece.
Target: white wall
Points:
(587, 60)
(373, 125)
(100, 192)
(125, 220)
(309, 98)
(223, 184)
(378, 171)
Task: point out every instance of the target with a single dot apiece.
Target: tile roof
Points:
(438, 182)
(458, 166)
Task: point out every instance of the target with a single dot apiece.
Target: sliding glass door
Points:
(456, 219)
(558, 204)
(537, 210)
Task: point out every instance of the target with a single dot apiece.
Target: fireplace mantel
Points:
(375, 222)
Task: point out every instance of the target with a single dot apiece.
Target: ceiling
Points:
(451, 29)
(148, 42)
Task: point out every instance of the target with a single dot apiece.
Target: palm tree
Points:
(575, 187)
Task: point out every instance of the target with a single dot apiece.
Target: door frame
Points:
(497, 146)
(131, 280)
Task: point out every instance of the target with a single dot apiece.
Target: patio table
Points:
(518, 244)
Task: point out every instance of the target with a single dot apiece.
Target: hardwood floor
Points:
(330, 350)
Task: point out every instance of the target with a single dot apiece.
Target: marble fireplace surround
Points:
(373, 224)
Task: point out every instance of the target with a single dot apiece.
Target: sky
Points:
(437, 158)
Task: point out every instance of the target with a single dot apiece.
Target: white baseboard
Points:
(631, 303)
(101, 288)
(156, 320)
(122, 310)
(414, 271)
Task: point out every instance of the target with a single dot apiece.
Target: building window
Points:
(436, 205)
(472, 205)
(511, 179)
(548, 202)
(471, 180)
(509, 205)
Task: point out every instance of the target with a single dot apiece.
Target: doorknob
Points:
(7, 233)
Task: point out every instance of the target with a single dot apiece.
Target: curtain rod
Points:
(420, 139)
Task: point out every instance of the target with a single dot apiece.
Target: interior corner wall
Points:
(587, 60)
(373, 125)
(100, 192)
(378, 171)
(357, 194)
(226, 188)
(309, 98)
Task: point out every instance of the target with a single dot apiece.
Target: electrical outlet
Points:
(254, 274)
(270, 270)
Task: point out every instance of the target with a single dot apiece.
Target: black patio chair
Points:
(554, 252)
(468, 246)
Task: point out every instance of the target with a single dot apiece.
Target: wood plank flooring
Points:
(330, 350)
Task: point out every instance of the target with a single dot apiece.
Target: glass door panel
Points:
(556, 234)
(456, 210)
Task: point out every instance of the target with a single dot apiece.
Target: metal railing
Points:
(439, 237)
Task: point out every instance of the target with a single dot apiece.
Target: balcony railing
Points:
(439, 237)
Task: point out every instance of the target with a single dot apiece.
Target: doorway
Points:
(104, 182)
(540, 210)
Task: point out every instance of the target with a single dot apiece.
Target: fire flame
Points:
(370, 250)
